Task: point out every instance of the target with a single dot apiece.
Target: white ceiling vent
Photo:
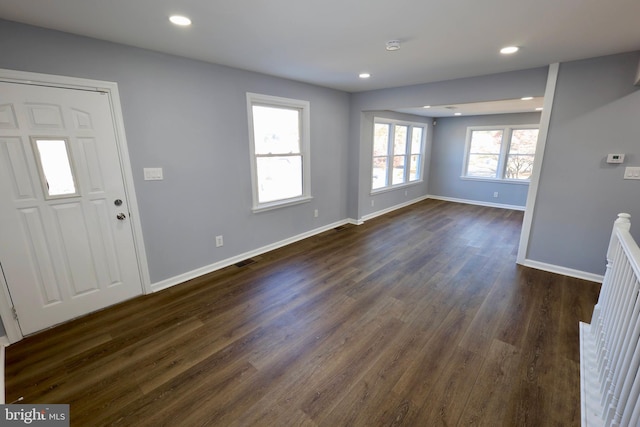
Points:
(393, 45)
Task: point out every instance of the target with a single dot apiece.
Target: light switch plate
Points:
(153, 174)
(632, 172)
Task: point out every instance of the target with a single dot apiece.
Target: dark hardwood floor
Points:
(417, 318)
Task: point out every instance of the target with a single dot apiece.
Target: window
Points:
(500, 152)
(279, 135)
(55, 167)
(398, 150)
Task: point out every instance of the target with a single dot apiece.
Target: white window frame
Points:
(390, 154)
(304, 108)
(507, 132)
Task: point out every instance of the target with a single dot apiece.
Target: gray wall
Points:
(190, 118)
(447, 158)
(484, 88)
(596, 111)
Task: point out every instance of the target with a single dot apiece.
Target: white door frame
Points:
(11, 325)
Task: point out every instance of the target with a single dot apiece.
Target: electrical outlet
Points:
(372, 203)
(315, 213)
(495, 194)
(406, 192)
(219, 241)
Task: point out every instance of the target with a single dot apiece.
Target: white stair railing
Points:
(610, 345)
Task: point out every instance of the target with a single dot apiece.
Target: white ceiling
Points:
(329, 42)
(477, 108)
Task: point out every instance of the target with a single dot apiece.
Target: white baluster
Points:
(610, 346)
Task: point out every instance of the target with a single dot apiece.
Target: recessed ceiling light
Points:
(527, 98)
(364, 75)
(427, 106)
(509, 50)
(180, 20)
(539, 109)
(457, 114)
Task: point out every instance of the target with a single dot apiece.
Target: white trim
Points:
(395, 187)
(545, 118)
(355, 221)
(505, 145)
(390, 209)
(379, 119)
(591, 408)
(305, 147)
(111, 89)
(181, 278)
(391, 154)
(132, 199)
(477, 203)
(281, 204)
(11, 326)
(496, 180)
(565, 271)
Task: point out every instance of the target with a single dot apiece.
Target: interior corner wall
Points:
(447, 158)
(595, 112)
(409, 192)
(511, 85)
(190, 118)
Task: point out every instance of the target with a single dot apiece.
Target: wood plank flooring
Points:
(417, 318)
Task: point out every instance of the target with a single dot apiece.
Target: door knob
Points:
(121, 216)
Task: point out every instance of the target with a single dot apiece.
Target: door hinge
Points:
(15, 313)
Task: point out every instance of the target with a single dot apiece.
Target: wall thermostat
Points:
(615, 158)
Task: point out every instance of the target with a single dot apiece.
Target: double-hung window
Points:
(279, 136)
(500, 152)
(398, 153)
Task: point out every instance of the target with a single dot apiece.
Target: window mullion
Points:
(390, 153)
(280, 155)
(407, 152)
(392, 175)
(504, 148)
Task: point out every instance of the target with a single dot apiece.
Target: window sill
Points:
(502, 181)
(281, 204)
(395, 187)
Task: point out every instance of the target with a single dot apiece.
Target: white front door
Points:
(66, 241)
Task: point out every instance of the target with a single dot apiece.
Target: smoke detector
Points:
(393, 45)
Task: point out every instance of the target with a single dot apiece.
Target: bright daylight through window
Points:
(279, 131)
(500, 152)
(55, 167)
(398, 151)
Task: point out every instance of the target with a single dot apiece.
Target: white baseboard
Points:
(477, 203)
(181, 278)
(391, 209)
(578, 274)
